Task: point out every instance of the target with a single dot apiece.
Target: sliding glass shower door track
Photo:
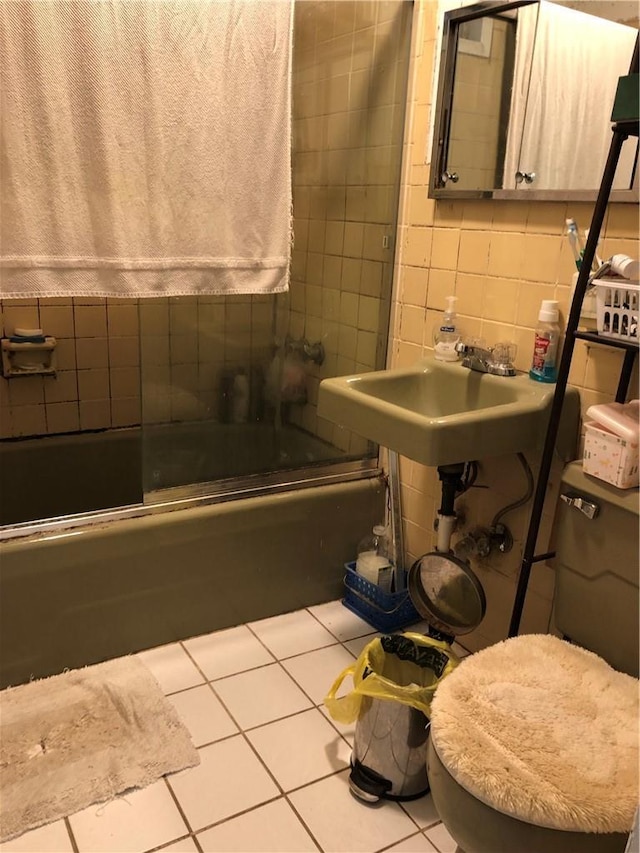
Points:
(195, 495)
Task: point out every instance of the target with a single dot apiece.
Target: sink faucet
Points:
(497, 360)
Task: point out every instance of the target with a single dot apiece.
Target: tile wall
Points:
(500, 258)
(184, 344)
(351, 60)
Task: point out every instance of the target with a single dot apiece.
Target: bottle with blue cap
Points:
(545, 347)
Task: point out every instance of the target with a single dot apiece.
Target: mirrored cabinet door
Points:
(524, 100)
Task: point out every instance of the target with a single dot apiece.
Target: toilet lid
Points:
(542, 731)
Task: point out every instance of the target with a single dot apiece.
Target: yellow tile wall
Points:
(120, 361)
(350, 69)
(501, 258)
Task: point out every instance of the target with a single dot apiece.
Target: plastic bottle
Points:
(240, 398)
(446, 336)
(545, 348)
(374, 563)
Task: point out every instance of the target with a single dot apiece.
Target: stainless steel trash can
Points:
(389, 752)
(389, 758)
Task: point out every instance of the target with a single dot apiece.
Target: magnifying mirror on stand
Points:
(443, 588)
(446, 592)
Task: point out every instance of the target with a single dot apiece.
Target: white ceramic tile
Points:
(273, 828)
(134, 822)
(228, 780)
(300, 749)
(341, 824)
(356, 646)
(185, 845)
(261, 696)
(423, 811)
(52, 838)
(171, 667)
(203, 714)
(441, 840)
(292, 634)
(416, 844)
(342, 623)
(316, 671)
(227, 652)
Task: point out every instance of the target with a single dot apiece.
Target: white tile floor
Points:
(274, 766)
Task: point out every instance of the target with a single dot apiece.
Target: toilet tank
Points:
(596, 599)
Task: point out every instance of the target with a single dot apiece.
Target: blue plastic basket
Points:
(385, 611)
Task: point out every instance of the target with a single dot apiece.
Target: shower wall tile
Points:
(27, 391)
(89, 300)
(124, 351)
(122, 319)
(28, 420)
(93, 384)
(125, 411)
(124, 382)
(92, 353)
(20, 316)
(95, 414)
(61, 388)
(63, 417)
(90, 319)
(57, 320)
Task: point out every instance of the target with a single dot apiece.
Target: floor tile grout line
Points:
(327, 628)
(400, 841)
(233, 816)
(240, 733)
(166, 844)
(304, 823)
(297, 654)
(178, 804)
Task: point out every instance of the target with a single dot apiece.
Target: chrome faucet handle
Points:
(504, 354)
(472, 346)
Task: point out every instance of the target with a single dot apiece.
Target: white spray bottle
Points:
(447, 335)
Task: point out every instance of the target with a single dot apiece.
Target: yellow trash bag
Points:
(404, 668)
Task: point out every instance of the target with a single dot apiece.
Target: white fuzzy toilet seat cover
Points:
(542, 731)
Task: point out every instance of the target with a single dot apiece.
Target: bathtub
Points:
(54, 476)
(79, 595)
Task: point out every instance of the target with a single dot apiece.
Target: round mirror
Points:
(447, 593)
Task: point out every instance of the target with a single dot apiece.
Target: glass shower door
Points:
(230, 384)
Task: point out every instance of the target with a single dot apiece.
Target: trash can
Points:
(394, 680)
(396, 676)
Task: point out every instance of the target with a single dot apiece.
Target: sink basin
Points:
(438, 413)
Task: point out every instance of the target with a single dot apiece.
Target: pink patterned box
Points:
(610, 457)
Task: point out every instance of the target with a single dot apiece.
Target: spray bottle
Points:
(446, 336)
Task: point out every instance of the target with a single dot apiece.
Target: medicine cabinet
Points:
(524, 98)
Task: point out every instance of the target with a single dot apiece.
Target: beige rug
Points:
(81, 738)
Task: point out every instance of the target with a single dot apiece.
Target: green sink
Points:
(438, 413)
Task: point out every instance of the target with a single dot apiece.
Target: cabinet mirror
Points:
(524, 99)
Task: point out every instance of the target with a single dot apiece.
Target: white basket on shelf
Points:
(618, 308)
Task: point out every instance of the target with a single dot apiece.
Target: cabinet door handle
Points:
(586, 507)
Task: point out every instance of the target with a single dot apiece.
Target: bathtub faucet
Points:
(309, 352)
(497, 360)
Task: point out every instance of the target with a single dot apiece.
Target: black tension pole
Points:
(528, 556)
